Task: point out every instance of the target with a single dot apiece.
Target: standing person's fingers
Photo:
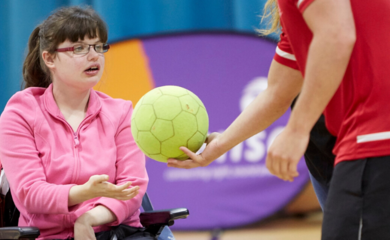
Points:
(276, 165)
(187, 164)
(284, 170)
(194, 160)
(292, 169)
(268, 163)
(211, 137)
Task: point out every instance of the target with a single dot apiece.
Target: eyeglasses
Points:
(83, 48)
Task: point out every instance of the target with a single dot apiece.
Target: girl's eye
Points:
(99, 48)
(78, 48)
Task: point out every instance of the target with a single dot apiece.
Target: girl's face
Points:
(77, 71)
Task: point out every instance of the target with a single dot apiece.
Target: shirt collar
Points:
(94, 103)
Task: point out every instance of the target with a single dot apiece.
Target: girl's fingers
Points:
(121, 192)
(123, 186)
(124, 193)
(129, 190)
(112, 188)
(99, 178)
(128, 197)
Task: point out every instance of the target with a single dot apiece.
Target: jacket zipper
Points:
(76, 142)
(76, 148)
(76, 152)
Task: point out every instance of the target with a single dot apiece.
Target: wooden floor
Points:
(306, 227)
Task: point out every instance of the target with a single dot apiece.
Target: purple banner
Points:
(226, 71)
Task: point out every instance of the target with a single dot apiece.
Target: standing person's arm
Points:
(284, 84)
(334, 35)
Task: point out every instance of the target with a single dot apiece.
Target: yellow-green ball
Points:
(167, 118)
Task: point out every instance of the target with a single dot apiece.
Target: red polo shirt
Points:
(359, 112)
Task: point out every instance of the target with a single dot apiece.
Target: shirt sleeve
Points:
(284, 54)
(130, 166)
(22, 164)
(303, 4)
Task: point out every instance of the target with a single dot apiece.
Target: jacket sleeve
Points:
(130, 166)
(22, 164)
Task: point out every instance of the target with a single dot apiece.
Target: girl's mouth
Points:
(92, 70)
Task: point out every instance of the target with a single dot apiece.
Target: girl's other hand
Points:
(97, 216)
(98, 186)
(83, 230)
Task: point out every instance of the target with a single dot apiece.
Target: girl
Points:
(67, 150)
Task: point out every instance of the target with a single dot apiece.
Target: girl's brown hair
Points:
(70, 23)
(271, 9)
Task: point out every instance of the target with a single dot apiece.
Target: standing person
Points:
(335, 45)
(73, 167)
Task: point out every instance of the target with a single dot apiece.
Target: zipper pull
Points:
(76, 140)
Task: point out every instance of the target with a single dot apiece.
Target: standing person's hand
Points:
(285, 152)
(210, 153)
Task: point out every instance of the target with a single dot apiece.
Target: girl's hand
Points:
(97, 216)
(97, 186)
(210, 153)
(83, 229)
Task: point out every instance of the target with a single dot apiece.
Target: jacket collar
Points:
(94, 103)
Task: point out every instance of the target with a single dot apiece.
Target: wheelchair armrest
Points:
(163, 217)
(19, 232)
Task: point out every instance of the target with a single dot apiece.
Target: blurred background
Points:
(210, 47)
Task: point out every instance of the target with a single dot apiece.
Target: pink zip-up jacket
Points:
(43, 158)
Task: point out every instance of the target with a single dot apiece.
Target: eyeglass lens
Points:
(84, 48)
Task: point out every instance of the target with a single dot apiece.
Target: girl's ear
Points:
(48, 59)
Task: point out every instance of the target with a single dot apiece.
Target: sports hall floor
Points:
(282, 228)
(301, 221)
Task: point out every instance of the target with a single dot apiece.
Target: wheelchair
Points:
(154, 221)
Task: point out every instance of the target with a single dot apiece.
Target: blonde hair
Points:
(271, 9)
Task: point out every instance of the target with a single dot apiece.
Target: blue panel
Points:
(4, 56)
(20, 22)
(80, 2)
(125, 19)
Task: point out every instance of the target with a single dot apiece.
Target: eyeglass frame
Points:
(67, 49)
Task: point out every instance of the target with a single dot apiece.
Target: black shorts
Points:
(358, 202)
(318, 156)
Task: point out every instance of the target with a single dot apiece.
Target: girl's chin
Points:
(92, 84)
(92, 79)
(87, 84)
(83, 84)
